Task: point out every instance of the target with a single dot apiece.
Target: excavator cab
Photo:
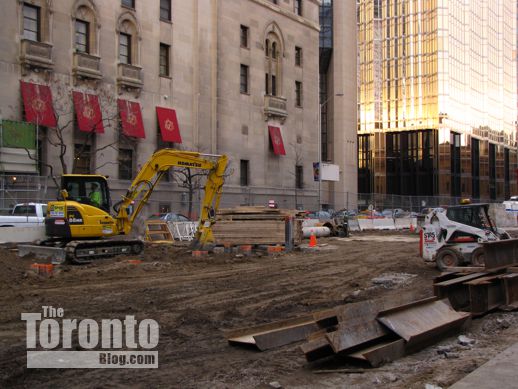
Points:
(81, 188)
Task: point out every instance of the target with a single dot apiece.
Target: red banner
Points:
(37, 100)
(168, 125)
(88, 112)
(131, 118)
(276, 139)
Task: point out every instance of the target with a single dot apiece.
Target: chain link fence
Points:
(169, 198)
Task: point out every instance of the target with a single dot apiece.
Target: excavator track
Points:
(87, 251)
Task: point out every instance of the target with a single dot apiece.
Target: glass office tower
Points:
(437, 103)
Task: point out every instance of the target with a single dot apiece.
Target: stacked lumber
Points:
(256, 225)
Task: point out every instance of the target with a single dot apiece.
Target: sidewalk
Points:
(499, 372)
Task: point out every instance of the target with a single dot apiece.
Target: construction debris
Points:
(276, 334)
(374, 331)
(377, 332)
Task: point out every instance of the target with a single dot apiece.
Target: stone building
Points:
(338, 103)
(437, 98)
(105, 83)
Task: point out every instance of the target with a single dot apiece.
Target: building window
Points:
(164, 60)
(298, 7)
(128, 3)
(244, 36)
(298, 56)
(298, 93)
(244, 79)
(82, 161)
(244, 172)
(125, 48)
(82, 34)
(165, 10)
(299, 177)
(266, 84)
(125, 164)
(31, 23)
(273, 65)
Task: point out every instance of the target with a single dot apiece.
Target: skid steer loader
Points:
(454, 237)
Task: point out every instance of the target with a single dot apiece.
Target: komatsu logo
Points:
(189, 164)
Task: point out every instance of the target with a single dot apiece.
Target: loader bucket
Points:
(501, 254)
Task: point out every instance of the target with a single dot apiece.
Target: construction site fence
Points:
(170, 198)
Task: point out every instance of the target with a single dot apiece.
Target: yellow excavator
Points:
(80, 222)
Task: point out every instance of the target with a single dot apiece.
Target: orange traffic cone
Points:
(312, 240)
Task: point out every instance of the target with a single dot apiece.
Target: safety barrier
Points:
(183, 230)
(21, 234)
(382, 224)
(376, 224)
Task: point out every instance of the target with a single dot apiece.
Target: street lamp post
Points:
(321, 105)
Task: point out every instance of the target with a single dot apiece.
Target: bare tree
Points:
(193, 180)
(56, 137)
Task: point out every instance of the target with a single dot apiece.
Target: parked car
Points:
(25, 215)
(170, 217)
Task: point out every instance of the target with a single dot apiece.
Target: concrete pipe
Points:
(318, 231)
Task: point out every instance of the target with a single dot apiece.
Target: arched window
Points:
(84, 16)
(274, 50)
(129, 38)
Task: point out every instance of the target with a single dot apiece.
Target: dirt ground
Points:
(195, 300)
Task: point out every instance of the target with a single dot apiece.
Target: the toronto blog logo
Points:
(54, 341)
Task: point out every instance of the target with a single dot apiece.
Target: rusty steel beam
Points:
(316, 349)
(275, 334)
(485, 294)
(348, 337)
(446, 276)
(422, 321)
(500, 254)
(510, 284)
(381, 353)
(456, 290)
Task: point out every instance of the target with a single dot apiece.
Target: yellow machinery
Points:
(81, 227)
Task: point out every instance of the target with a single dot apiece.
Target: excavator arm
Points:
(150, 175)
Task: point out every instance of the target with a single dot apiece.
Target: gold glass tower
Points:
(437, 103)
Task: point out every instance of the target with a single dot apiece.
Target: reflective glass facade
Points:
(437, 97)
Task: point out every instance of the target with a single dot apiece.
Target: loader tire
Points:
(447, 257)
(478, 257)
